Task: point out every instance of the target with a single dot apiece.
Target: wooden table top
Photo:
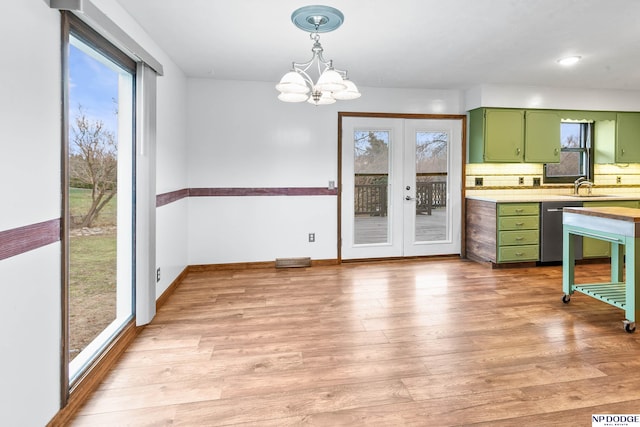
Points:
(612, 212)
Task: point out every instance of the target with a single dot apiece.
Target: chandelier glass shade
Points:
(332, 84)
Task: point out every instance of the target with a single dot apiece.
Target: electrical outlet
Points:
(618, 179)
(312, 237)
(479, 181)
(536, 181)
(521, 180)
(158, 275)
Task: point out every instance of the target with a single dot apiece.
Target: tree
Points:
(431, 153)
(93, 163)
(371, 152)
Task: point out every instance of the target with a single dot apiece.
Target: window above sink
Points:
(576, 142)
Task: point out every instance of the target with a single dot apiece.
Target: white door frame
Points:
(458, 156)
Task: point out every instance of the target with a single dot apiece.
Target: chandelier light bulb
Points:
(351, 92)
(330, 81)
(293, 97)
(292, 82)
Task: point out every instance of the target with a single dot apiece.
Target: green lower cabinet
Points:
(524, 237)
(594, 248)
(519, 223)
(518, 227)
(518, 253)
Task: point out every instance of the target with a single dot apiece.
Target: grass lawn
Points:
(80, 201)
(92, 274)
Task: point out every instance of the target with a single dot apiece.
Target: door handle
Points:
(408, 198)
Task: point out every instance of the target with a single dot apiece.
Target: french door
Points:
(401, 187)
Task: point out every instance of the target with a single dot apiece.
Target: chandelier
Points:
(332, 84)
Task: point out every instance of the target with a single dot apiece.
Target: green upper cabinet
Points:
(628, 138)
(512, 136)
(509, 135)
(542, 136)
(496, 135)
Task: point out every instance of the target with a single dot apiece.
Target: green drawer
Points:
(509, 209)
(518, 223)
(518, 253)
(524, 237)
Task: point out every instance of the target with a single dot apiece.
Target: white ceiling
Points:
(432, 44)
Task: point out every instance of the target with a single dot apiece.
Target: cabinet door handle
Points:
(555, 151)
(622, 152)
(518, 151)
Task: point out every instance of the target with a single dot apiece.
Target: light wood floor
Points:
(420, 343)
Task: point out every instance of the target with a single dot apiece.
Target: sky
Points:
(94, 86)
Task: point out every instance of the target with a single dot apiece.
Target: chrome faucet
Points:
(579, 183)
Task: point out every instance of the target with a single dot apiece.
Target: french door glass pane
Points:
(431, 186)
(371, 183)
(100, 207)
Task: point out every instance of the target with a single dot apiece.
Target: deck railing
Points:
(371, 199)
(430, 195)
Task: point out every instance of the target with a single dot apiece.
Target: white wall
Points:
(551, 98)
(241, 135)
(30, 189)
(171, 153)
(30, 118)
(171, 174)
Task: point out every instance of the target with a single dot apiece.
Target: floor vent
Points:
(293, 262)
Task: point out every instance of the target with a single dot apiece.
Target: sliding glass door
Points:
(99, 202)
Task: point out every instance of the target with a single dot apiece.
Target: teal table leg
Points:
(617, 263)
(632, 277)
(568, 261)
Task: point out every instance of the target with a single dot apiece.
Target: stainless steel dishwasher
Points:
(551, 231)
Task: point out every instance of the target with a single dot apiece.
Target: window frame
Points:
(72, 25)
(586, 148)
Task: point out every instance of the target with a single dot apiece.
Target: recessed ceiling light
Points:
(569, 60)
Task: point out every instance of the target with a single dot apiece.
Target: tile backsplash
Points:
(522, 175)
(502, 174)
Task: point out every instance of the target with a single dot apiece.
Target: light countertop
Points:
(515, 198)
(620, 214)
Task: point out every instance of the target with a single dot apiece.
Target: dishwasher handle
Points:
(554, 209)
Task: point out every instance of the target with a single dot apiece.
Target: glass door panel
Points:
(100, 202)
(431, 155)
(370, 187)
